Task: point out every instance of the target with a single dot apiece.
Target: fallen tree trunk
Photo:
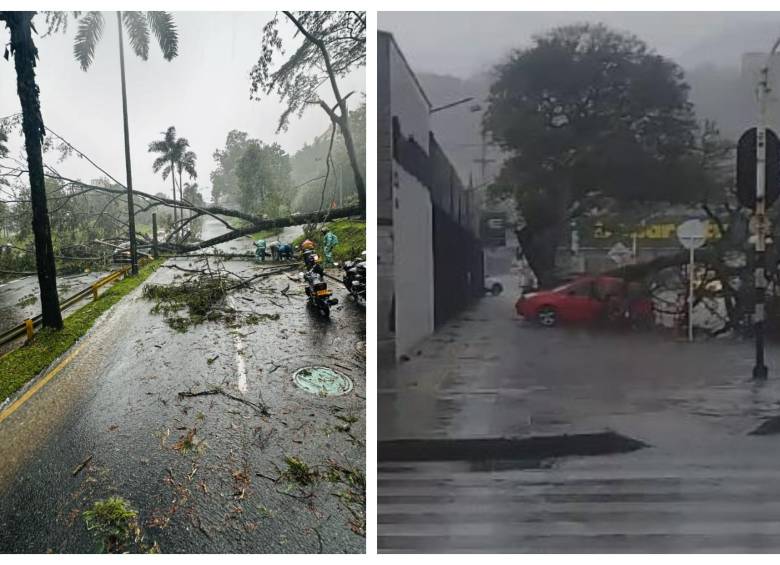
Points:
(259, 225)
(642, 270)
(256, 223)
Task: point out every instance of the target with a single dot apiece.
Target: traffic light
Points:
(746, 168)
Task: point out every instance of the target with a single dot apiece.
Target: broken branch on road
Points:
(202, 292)
(80, 466)
(262, 409)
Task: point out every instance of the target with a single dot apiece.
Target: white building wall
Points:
(412, 214)
(407, 101)
(413, 227)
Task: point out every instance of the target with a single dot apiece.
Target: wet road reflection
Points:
(224, 489)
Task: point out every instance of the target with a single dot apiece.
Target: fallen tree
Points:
(253, 223)
(734, 277)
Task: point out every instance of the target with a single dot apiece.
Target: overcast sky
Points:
(464, 43)
(204, 92)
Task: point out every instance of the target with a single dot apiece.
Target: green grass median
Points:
(23, 364)
(351, 234)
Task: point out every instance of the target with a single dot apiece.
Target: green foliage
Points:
(252, 175)
(138, 26)
(265, 234)
(21, 365)
(588, 109)
(224, 183)
(587, 113)
(201, 297)
(296, 79)
(263, 174)
(113, 523)
(299, 471)
(192, 194)
(77, 219)
(351, 234)
(309, 168)
(174, 156)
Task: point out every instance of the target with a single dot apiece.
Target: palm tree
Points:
(187, 164)
(138, 26)
(171, 152)
(25, 54)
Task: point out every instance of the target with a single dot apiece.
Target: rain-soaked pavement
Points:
(702, 484)
(20, 298)
(117, 402)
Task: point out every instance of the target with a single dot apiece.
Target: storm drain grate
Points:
(322, 381)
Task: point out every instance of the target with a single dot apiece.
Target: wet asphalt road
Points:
(20, 298)
(702, 485)
(117, 401)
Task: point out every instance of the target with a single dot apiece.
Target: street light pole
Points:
(759, 369)
(450, 105)
(130, 209)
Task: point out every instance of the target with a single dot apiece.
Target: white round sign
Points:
(692, 234)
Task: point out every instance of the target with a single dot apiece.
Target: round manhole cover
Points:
(322, 381)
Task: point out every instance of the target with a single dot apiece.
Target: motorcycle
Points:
(319, 296)
(355, 278)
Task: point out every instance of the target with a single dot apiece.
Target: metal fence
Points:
(458, 267)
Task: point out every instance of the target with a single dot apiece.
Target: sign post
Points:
(692, 235)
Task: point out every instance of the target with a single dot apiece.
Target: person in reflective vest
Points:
(330, 241)
(260, 250)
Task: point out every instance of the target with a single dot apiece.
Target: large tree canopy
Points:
(309, 168)
(298, 78)
(585, 111)
(333, 43)
(223, 179)
(263, 174)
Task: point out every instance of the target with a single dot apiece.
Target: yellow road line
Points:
(37, 386)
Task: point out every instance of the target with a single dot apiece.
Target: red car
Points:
(584, 300)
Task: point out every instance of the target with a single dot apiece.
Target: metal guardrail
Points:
(28, 326)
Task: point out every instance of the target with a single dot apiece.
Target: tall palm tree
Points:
(186, 164)
(171, 152)
(25, 54)
(139, 26)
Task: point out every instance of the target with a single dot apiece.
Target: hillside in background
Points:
(719, 92)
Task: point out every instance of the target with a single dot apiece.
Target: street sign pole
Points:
(760, 371)
(692, 234)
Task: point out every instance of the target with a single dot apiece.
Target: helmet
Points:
(308, 244)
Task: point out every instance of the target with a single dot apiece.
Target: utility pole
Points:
(155, 253)
(483, 160)
(759, 369)
(130, 209)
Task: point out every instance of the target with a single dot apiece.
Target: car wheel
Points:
(547, 316)
(496, 289)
